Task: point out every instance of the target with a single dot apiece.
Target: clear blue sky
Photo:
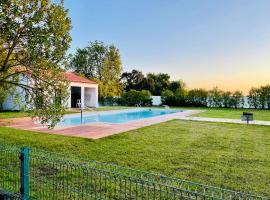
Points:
(206, 43)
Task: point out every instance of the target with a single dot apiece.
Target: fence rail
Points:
(37, 174)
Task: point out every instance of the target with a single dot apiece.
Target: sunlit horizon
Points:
(204, 43)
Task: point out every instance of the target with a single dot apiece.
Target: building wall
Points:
(10, 103)
(156, 100)
(90, 90)
(89, 94)
(91, 97)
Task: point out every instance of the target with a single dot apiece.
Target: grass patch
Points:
(107, 108)
(233, 113)
(227, 155)
(13, 114)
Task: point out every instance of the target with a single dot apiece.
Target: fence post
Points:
(24, 173)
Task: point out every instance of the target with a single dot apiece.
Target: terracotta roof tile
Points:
(69, 76)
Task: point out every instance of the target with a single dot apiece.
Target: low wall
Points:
(156, 100)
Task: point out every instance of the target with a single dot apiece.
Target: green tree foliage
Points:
(102, 63)
(167, 96)
(132, 80)
(237, 99)
(197, 97)
(134, 97)
(226, 99)
(155, 83)
(265, 94)
(4, 92)
(262, 99)
(170, 98)
(215, 97)
(254, 98)
(34, 38)
(175, 93)
(259, 97)
(161, 82)
(176, 85)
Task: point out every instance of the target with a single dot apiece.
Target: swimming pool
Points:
(115, 117)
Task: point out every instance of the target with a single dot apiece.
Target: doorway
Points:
(75, 95)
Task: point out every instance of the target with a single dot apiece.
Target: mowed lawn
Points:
(12, 114)
(227, 155)
(233, 113)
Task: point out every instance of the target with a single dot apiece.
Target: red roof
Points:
(71, 77)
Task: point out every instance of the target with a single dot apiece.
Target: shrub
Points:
(227, 99)
(259, 97)
(173, 99)
(108, 101)
(215, 98)
(254, 98)
(237, 99)
(146, 98)
(265, 93)
(165, 96)
(134, 97)
(197, 97)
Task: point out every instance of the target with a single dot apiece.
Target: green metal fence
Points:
(36, 174)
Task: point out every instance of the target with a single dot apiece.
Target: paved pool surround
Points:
(94, 130)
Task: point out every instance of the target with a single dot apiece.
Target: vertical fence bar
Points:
(24, 158)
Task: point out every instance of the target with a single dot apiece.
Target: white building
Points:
(82, 92)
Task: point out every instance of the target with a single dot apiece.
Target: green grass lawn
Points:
(107, 108)
(11, 114)
(233, 113)
(229, 155)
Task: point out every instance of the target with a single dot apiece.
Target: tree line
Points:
(258, 98)
(204, 98)
(102, 63)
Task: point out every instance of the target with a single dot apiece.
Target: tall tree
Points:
(254, 98)
(237, 99)
(89, 60)
(34, 38)
(226, 99)
(132, 80)
(197, 97)
(161, 82)
(102, 63)
(266, 95)
(215, 97)
(178, 87)
(109, 82)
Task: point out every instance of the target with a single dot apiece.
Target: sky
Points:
(206, 43)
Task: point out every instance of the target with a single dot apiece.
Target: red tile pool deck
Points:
(94, 130)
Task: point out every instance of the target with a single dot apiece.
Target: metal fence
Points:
(36, 174)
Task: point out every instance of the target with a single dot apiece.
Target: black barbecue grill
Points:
(247, 117)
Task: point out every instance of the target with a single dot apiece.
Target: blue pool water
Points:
(114, 117)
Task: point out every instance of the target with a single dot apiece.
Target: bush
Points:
(134, 97)
(165, 96)
(254, 98)
(215, 98)
(227, 99)
(171, 99)
(259, 97)
(108, 101)
(197, 97)
(237, 99)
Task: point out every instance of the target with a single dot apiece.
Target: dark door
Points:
(75, 95)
